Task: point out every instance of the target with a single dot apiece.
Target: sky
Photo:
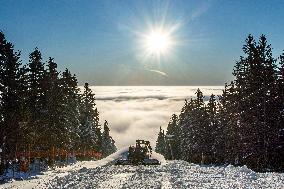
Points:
(103, 42)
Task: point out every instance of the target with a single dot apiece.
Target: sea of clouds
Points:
(137, 112)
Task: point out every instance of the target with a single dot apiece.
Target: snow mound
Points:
(122, 154)
(159, 157)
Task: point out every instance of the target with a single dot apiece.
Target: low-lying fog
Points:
(137, 112)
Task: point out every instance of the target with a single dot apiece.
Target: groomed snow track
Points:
(173, 174)
(104, 174)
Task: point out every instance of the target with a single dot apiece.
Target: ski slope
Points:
(171, 174)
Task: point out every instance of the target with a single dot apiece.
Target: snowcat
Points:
(140, 154)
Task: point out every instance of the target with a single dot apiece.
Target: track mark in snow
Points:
(173, 174)
(116, 181)
(166, 184)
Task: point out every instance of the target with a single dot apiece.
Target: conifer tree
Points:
(160, 143)
(36, 97)
(173, 138)
(185, 122)
(222, 119)
(280, 81)
(98, 132)
(24, 113)
(246, 125)
(2, 62)
(212, 135)
(56, 134)
(280, 84)
(108, 144)
(39, 109)
(89, 120)
(10, 97)
(199, 129)
(277, 160)
(71, 108)
(255, 91)
(99, 139)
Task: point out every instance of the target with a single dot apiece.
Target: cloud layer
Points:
(137, 112)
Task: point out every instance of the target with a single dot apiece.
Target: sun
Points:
(157, 42)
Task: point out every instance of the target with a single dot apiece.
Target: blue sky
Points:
(98, 41)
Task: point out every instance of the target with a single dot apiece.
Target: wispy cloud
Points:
(201, 10)
(159, 72)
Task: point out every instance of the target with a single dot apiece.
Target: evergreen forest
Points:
(243, 126)
(42, 108)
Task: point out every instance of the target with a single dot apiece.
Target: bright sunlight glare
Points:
(158, 42)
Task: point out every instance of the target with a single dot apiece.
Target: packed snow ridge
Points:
(170, 174)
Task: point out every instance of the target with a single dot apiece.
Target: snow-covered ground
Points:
(171, 174)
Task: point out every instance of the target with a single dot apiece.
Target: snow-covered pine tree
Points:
(71, 111)
(185, 123)
(173, 142)
(2, 59)
(212, 134)
(277, 160)
(89, 120)
(226, 137)
(36, 98)
(196, 124)
(255, 101)
(231, 105)
(161, 143)
(108, 144)
(55, 134)
(10, 96)
(24, 108)
(98, 131)
(270, 111)
(280, 83)
(198, 142)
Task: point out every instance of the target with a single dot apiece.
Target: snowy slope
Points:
(174, 174)
(171, 174)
